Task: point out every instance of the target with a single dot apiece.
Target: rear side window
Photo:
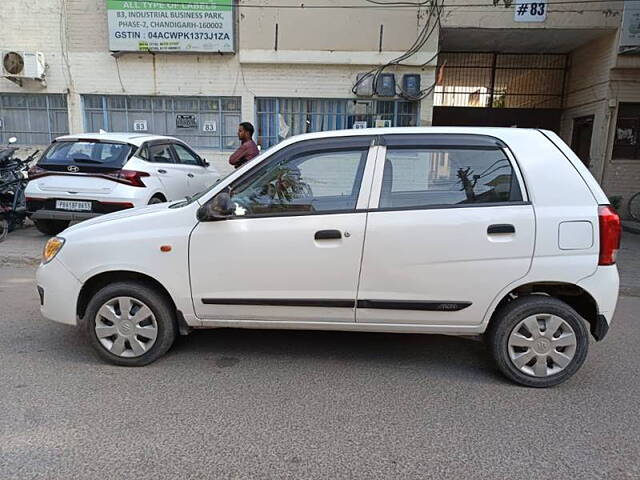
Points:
(160, 154)
(447, 176)
(111, 155)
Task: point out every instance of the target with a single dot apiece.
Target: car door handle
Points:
(501, 228)
(162, 170)
(328, 235)
(190, 175)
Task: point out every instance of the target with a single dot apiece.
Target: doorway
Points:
(581, 138)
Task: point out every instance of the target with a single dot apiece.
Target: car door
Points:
(173, 180)
(197, 175)
(292, 251)
(449, 227)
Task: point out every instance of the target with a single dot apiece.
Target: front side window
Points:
(428, 177)
(311, 182)
(185, 156)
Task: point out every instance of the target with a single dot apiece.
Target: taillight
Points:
(36, 172)
(129, 177)
(610, 231)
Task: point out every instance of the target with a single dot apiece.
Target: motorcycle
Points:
(13, 181)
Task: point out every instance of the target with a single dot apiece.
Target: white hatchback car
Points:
(458, 231)
(83, 176)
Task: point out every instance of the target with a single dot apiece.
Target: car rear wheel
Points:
(51, 227)
(130, 324)
(538, 341)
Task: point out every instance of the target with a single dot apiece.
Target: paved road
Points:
(256, 404)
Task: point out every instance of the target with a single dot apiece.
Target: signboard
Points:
(630, 31)
(186, 121)
(360, 124)
(209, 126)
(175, 26)
(530, 11)
(139, 125)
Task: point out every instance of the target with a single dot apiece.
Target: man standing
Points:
(247, 149)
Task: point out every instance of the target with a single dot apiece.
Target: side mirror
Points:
(219, 208)
(12, 140)
(205, 163)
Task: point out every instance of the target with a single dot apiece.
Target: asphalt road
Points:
(269, 404)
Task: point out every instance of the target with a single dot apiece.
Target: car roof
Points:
(136, 139)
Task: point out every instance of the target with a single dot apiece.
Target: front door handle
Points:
(328, 235)
(501, 228)
(162, 170)
(190, 175)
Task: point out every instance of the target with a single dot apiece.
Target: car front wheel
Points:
(130, 323)
(538, 341)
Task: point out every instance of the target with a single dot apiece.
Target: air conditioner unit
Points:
(20, 65)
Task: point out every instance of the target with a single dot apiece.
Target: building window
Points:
(202, 122)
(500, 80)
(626, 143)
(35, 119)
(280, 118)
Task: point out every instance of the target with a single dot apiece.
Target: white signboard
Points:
(209, 126)
(530, 11)
(178, 26)
(360, 124)
(139, 125)
(630, 32)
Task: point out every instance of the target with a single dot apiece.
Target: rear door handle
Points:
(162, 170)
(190, 175)
(501, 228)
(328, 235)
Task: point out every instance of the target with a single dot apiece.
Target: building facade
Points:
(291, 68)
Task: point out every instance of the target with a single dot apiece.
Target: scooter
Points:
(13, 181)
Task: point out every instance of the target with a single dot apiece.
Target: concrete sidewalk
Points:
(24, 247)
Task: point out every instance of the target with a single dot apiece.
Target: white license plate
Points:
(73, 205)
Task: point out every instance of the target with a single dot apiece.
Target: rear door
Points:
(449, 227)
(173, 179)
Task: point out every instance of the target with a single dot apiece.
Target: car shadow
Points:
(436, 355)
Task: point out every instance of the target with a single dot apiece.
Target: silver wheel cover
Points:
(126, 327)
(542, 345)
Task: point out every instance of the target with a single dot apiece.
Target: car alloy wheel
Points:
(126, 327)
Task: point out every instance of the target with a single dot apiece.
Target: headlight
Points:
(51, 249)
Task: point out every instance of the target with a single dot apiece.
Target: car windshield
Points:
(101, 154)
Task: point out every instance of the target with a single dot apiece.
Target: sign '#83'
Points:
(530, 11)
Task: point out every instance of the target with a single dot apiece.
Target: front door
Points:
(292, 251)
(581, 139)
(448, 229)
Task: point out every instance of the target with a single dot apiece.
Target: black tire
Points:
(51, 227)
(4, 229)
(156, 199)
(160, 306)
(509, 316)
(634, 207)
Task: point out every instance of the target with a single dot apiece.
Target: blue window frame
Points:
(280, 118)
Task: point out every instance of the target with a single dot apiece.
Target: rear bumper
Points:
(45, 209)
(58, 290)
(603, 286)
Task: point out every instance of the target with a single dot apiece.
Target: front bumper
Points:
(59, 291)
